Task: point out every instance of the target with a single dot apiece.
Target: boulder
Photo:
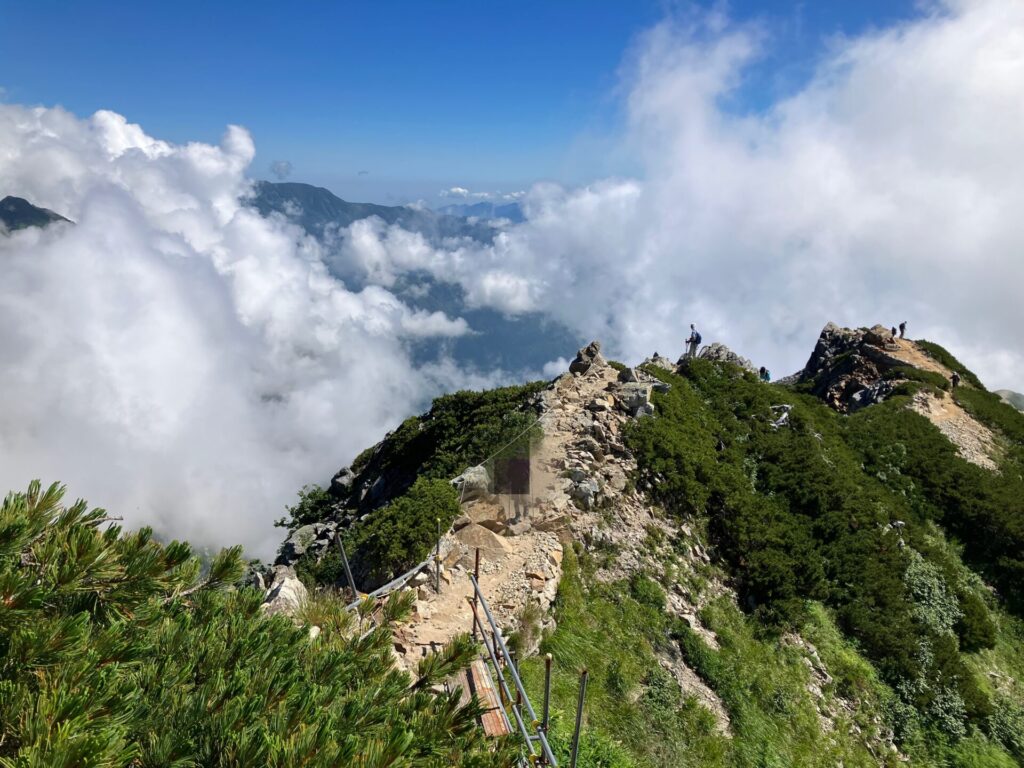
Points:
(286, 593)
(878, 336)
(722, 354)
(490, 544)
(341, 483)
(634, 397)
(474, 483)
(586, 358)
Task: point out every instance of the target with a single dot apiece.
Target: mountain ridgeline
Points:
(830, 571)
(819, 572)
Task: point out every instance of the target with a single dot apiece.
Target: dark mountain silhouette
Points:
(18, 213)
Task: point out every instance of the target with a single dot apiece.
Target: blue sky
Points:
(418, 95)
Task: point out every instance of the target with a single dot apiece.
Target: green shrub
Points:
(114, 651)
(805, 512)
(646, 591)
(313, 506)
(910, 373)
(942, 356)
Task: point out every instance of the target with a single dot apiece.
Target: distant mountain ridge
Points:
(1016, 399)
(18, 213)
(315, 209)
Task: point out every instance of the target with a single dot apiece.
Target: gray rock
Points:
(722, 354)
(313, 539)
(586, 358)
(286, 593)
(474, 483)
(341, 483)
(634, 397)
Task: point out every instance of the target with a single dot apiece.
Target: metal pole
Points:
(502, 650)
(476, 580)
(348, 571)
(437, 560)
(546, 716)
(579, 719)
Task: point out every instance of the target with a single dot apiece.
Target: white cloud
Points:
(887, 188)
(174, 356)
(554, 368)
(455, 192)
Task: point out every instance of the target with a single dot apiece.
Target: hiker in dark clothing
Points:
(954, 380)
(894, 331)
(903, 329)
(764, 374)
(693, 342)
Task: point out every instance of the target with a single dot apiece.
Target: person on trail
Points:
(954, 380)
(894, 332)
(693, 342)
(764, 374)
(903, 329)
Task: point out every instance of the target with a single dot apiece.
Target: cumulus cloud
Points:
(173, 356)
(886, 188)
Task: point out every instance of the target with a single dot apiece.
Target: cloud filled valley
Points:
(188, 363)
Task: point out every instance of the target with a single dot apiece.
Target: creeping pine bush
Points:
(806, 512)
(417, 460)
(115, 651)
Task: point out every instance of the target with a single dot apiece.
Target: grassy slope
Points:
(818, 494)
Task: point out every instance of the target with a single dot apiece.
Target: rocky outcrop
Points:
(314, 538)
(722, 354)
(286, 593)
(847, 368)
(587, 358)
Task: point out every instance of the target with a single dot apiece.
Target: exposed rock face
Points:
(722, 354)
(286, 593)
(314, 538)
(586, 358)
(847, 367)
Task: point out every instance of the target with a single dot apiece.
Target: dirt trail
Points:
(907, 351)
(579, 473)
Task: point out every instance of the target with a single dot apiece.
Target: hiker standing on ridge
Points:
(954, 380)
(693, 342)
(903, 329)
(764, 375)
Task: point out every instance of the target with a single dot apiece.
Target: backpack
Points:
(696, 337)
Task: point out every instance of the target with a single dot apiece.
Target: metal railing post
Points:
(437, 559)
(348, 571)
(579, 719)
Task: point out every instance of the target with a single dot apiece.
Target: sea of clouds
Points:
(186, 363)
(173, 356)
